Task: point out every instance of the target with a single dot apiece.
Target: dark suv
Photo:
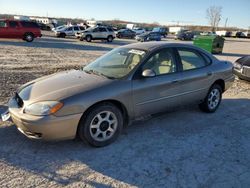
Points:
(25, 30)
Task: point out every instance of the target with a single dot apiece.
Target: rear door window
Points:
(191, 59)
(29, 24)
(13, 24)
(103, 29)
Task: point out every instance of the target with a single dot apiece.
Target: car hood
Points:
(60, 85)
(244, 61)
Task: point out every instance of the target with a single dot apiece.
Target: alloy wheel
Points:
(103, 126)
(214, 98)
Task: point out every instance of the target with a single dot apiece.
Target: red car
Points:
(25, 30)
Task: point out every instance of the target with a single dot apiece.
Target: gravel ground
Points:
(182, 148)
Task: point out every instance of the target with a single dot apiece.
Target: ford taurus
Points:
(96, 102)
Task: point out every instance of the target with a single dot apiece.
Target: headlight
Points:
(237, 65)
(43, 108)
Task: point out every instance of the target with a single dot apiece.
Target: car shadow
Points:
(232, 54)
(55, 43)
(140, 156)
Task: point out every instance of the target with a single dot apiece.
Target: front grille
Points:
(246, 71)
(18, 100)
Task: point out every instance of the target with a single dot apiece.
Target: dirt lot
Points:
(182, 148)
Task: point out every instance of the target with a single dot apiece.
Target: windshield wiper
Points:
(98, 73)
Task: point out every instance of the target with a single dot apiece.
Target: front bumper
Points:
(45, 127)
(242, 73)
(229, 82)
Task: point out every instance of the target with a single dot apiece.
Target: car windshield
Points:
(116, 64)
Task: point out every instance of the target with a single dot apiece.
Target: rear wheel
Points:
(29, 37)
(101, 125)
(212, 100)
(110, 39)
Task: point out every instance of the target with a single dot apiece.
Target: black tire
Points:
(62, 35)
(85, 132)
(88, 38)
(110, 38)
(205, 106)
(29, 37)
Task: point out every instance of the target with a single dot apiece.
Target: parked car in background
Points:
(61, 27)
(126, 33)
(188, 35)
(242, 67)
(150, 36)
(95, 103)
(162, 30)
(69, 31)
(228, 34)
(209, 33)
(44, 27)
(98, 33)
(240, 34)
(25, 30)
(139, 31)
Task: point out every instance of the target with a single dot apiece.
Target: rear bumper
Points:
(46, 127)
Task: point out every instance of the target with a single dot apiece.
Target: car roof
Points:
(149, 46)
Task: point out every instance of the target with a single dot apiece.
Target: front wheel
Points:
(212, 100)
(101, 125)
(88, 38)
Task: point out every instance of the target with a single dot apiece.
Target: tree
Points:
(214, 16)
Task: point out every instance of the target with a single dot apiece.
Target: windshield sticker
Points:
(138, 52)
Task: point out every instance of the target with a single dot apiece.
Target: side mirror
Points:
(148, 73)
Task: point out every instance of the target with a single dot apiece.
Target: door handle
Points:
(209, 74)
(175, 81)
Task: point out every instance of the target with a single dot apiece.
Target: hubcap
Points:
(28, 37)
(103, 126)
(214, 99)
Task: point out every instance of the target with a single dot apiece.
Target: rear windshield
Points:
(29, 24)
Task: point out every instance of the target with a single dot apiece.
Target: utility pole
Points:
(226, 22)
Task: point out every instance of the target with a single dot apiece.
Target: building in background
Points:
(93, 23)
(26, 18)
(44, 20)
(176, 29)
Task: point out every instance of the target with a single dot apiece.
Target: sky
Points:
(161, 11)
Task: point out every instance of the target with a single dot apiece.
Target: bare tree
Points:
(214, 16)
